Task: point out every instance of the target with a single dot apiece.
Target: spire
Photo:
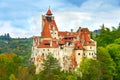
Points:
(49, 12)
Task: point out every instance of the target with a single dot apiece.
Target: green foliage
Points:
(31, 69)
(8, 65)
(5, 37)
(50, 64)
(110, 40)
(117, 41)
(20, 46)
(106, 64)
(114, 50)
(89, 69)
(12, 77)
(107, 36)
(11, 68)
(51, 68)
(23, 74)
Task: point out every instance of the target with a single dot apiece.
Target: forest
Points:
(15, 60)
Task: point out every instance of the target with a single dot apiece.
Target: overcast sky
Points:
(22, 18)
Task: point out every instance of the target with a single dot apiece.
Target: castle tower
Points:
(49, 27)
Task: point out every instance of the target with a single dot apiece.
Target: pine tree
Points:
(50, 63)
(51, 68)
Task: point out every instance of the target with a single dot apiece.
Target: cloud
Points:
(35, 25)
(6, 27)
(22, 18)
(71, 20)
(33, 28)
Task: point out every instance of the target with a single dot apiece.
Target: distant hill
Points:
(20, 46)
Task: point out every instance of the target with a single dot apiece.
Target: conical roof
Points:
(49, 12)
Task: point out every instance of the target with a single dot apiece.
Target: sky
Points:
(22, 18)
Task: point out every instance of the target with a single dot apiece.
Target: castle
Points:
(67, 46)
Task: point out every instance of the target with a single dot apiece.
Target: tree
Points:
(114, 50)
(12, 77)
(51, 68)
(117, 41)
(106, 64)
(7, 65)
(89, 69)
(23, 74)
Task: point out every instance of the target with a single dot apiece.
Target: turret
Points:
(49, 15)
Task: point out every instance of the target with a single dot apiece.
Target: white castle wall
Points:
(79, 55)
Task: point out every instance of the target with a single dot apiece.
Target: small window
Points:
(61, 47)
(48, 49)
(89, 53)
(43, 49)
(92, 53)
(69, 44)
(42, 54)
(84, 54)
(78, 53)
(90, 47)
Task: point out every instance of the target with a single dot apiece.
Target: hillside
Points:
(19, 46)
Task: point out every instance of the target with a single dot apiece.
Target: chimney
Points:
(71, 30)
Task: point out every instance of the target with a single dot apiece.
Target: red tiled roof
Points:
(69, 41)
(83, 30)
(67, 34)
(47, 27)
(47, 44)
(78, 45)
(61, 42)
(60, 33)
(86, 37)
(54, 44)
(54, 23)
(49, 12)
(46, 31)
(88, 44)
